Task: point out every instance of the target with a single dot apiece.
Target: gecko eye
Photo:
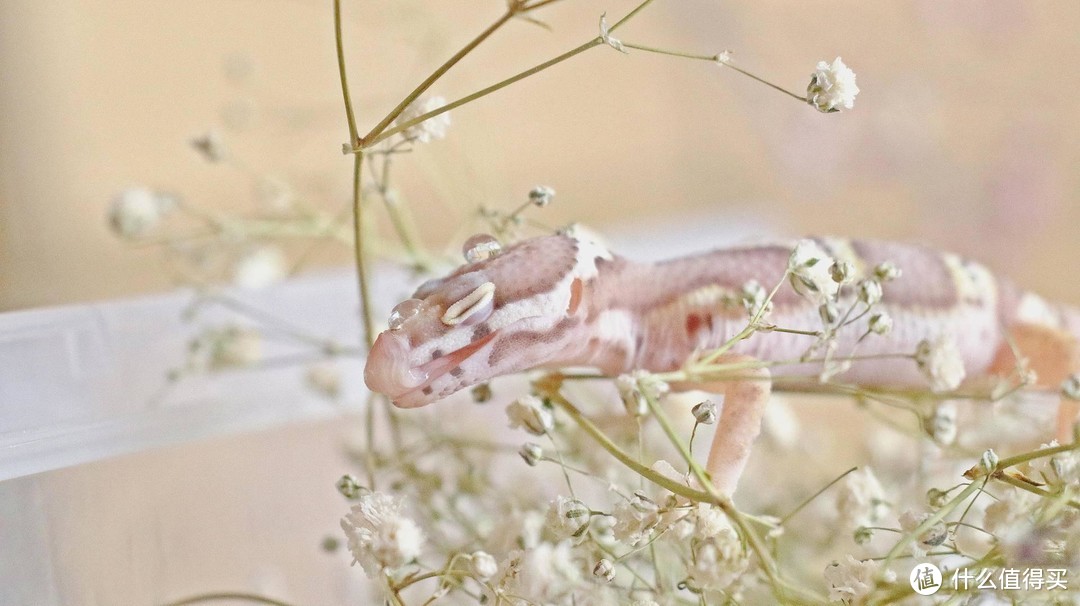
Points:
(402, 312)
(473, 307)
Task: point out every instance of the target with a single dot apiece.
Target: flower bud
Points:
(705, 412)
(532, 453)
(482, 565)
(604, 570)
(870, 292)
(881, 324)
(887, 271)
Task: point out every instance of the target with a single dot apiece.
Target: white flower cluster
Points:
(260, 268)
(832, 86)
(381, 537)
(531, 414)
(941, 363)
(138, 210)
(429, 130)
(861, 500)
(851, 580)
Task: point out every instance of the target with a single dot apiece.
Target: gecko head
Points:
(509, 312)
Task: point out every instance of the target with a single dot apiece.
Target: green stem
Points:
(481, 93)
(929, 522)
(373, 134)
(765, 82)
(1036, 454)
(671, 53)
(361, 250)
(339, 43)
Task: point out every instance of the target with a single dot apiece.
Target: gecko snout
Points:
(387, 370)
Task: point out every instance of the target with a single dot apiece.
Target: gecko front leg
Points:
(745, 398)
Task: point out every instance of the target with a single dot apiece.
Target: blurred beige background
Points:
(963, 136)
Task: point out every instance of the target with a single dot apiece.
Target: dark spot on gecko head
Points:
(435, 355)
(456, 371)
(427, 390)
(481, 331)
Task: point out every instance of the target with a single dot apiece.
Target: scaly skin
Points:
(562, 301)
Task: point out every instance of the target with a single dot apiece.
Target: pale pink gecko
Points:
(562, 301)
(557, 301)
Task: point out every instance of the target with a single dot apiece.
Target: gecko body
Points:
(563, 301)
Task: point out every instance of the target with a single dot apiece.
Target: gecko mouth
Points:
(410, 393)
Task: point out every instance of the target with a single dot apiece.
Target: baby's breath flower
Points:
(709, 521)
(604, 570)
(543, 573)
(931, 537)
(870, 292)
(850, 580)
(482, 565)
(259, 268)
(230, 347)
(881, 323)
(349, 486)
(566, 517)
(429, 130)
(530, 414)
(541, 195)
(829, 313)
(811, 275)
(705, 412)
(941, 363)
(832, 87)
(138, 210)
(719, 562)
(753, 298)
(861, 500)
(942, 425)
(887, 271)
(634, 524)
(842, 271)
(210, 147)
(532, 453)
(636, 388)
(380, 536)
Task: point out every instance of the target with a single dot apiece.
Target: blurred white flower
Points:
(541, 195)
(709, 521)
(138, 210)
(719, 562)
(754, 296)
(881, 323)
(941, 363)
(870, 292)
(565, 517)
(226, 347)
(259, 268)
(942, 425)
(811, 271)
(530, 414)
(482, 565)
(931, 537)
(380, 536)
(636, 388)
(832, 87)
(429, 130)
(850, 580)
(861, 500)
(543, 573)
(633, 524)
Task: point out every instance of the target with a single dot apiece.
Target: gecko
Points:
(564, 301)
